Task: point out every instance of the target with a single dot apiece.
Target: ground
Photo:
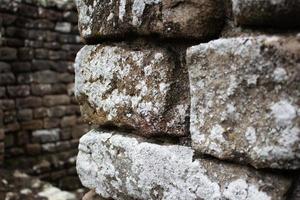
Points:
(16, 185)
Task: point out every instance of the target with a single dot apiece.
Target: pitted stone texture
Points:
(245, 100)
(169, 19)
(130, 87)
(124, 167)
(273, 13)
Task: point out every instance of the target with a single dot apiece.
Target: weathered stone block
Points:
(46, 76)
(132, 88)
(53, 100)
(29, 102)
(8, 53)
(18, 91)
(169, 19)
(7, 104)
(24, 115)
(68, 121)
(7, 78)
(45, 136)
(245, 100)
(33, 149)
(124, 167)
(51, 122)
(278, 13)
(64, 27)
(4, 67)
(32, 125)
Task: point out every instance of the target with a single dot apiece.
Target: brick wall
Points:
(39, 117)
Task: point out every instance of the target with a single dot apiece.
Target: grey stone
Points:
(44, 136)
(168, 19)
(130, 87)
(124, 167)
(64, 27)
(273, 13)
(245, 100)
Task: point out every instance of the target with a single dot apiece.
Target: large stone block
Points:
(245, 100)
(168, 19)
(124, 167)
(273, 13)
(136, 88)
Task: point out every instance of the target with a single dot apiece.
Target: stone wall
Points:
(40, 119)
(194, 99)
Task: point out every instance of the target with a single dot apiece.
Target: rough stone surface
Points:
(132, 88)
(245, 100)
(172, 19)
(273, 13)
(124, 167)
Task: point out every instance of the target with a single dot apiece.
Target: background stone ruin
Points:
(39, 117)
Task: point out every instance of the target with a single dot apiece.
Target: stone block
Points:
(24, 78)
(124, 167)
(33, 149)
(51, 122)
(22, 137)
(68, 121)
(64, 27)
(32, 125)
(24, 115)
(5, 67)
(7, 78)
(21, 67)
(18, 91)
(25, 54)
(2, 92)
(57, 111)
(54, 100)
(281, 13)
(245, 100)
(45, 76)
(39, 112)
(46, 136)
(191, 19)
(11, 127)
(142, 89)
(7, 104)
(49, 148)
(2, 134)
(8, 53)
(29, 102)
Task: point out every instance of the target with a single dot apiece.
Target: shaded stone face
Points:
(129, 87)
(273, 13)
(245, 100)
(124, 167)
(191, 19)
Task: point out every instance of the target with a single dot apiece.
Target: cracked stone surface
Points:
(191, 19)
(245, 100)
(141, 89)
(125, 167)
(273, 13)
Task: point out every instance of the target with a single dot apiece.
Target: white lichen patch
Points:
(241, 190)
(85, 17)
(284, 112)
(280, 74)
(138, 8)
(251, 135)
(123, 167)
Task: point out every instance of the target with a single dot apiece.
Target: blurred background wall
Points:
(40, 120)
